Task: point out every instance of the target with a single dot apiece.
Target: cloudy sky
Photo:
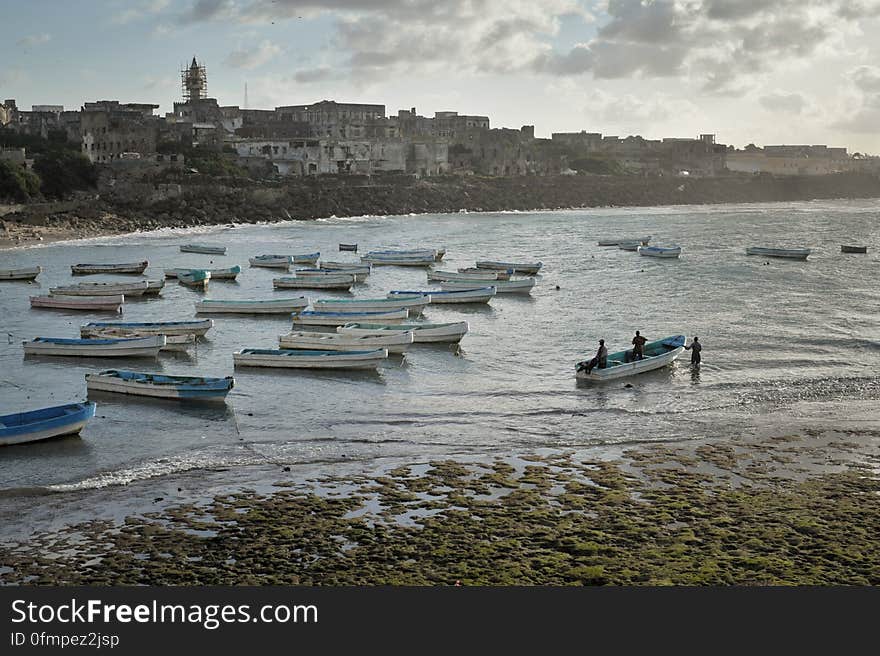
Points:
(761, 71)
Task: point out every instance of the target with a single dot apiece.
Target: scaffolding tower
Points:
(194, 82)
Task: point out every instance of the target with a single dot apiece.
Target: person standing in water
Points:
(695, 349)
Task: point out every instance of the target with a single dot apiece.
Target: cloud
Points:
(790, 103)
(863, 115)
(255, 57)
(34, 40)
(140, 11)
(209, 10)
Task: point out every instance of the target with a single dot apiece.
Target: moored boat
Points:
(84, 303)
(28, 273)
(495, 274)
(203, 248)
(273, 306)
(789, 253)
(515, 286)
(154, 287)
(394, 259)
(198, 327)
(641, 241)
(310, 359)
(529, 268)
(348, 247)
(620, 364)
(342, 281)
(105, 347)
(660, 251)
(271, 261)
(159, 386)
(396, 342)
(305, 258)
(423, 333)
(474, 295)
(44, 423)
(228, 273)
(319, 318)
(346, 266)
(360, 275)
(172, 342)
(127, 267)
(102, 289)
(843, 249)
(632, 246)
(415, 303)
(195, 278)
(487, 276)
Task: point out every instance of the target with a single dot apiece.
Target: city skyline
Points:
(762, 72)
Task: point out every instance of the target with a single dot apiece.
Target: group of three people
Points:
(638, 352)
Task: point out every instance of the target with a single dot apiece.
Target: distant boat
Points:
(196, 278)
(657, 354)
(790, 253)
(346, 266)
(348, 247)
(202, 248)
(660, 251)
(159, 386)
(641, 241)
(228, 273)
(198, 327)
(102, 289)
(497, 274)
(154, 287)
(96, 347)
(399, 260)
(518, 286)
(415, 303)
(474, 295)
(629, 245)
(42, 424)
(341, 281)
(310, 359)
(360, 275)
(396, 342)
(172, 342)
(843, 249)
(307, 258)
(423, 333)
(271, 261)
(131, 267)
(84, 303)
(28, 273)
(273, 306)
(318, 318)
(529, 268)
(486, 277)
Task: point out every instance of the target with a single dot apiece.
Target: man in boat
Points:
(695, 349)
(600, 359)
(638, 346)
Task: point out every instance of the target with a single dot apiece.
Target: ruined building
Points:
(111, 130)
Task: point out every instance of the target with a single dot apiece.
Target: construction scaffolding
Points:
(194, 82)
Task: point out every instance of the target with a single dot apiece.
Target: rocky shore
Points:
(200, 200)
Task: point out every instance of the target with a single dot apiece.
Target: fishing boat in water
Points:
(189, 388)
(348, 247)
(660, 251)
(396, 342)
(415, 303)
(641, 241)
(29, 273)
(84, 303)
(528, 268)
(360, 274)
(128, 267)
(154, 287)
(229, 273)
(494, 274)
(319, 318)
(203, 248)
(271, 261)
(195, 278)
(516, 286)
(102, 289)
(423, 333)
(342, 281)
(44, 423)
(197, 328)
(172, 342)
(621, 364)
(106, 347)
(273, 306)
(310, 359)
(420, 258)
(789, 253)
(843, 249)
(474, 295)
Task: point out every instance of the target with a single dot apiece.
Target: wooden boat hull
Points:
(843, 249)
(529, 268)
(45, 423)
(787, 253)
(397, 342)
(97, 347)
(229, 273)
(101, 289)
(310, 359)
(659, 251)
(360, 275)
(521, 286)
(641, 241)
(172, 342)
(20, 274)
(347, 267)
(280, 262)
(205, 250)
(474, 295)
(474, 272)
(189, 388)
(415, 303)
(309, 318)
(343, 282)
(279, 306)
(88, 269)
(194, 278)
(667, 351)
(348, 247)
(423, 333)
(168, 328)
(154, 287)
(417, 259)
(80, 303)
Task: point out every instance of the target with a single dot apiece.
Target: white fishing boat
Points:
(528, 268)
(789, 253)
(318, 318)
(45, 423)
(516, 286)
(197, 327)
(310, 359)
(271, 261)
(203, 248)
(495, 274)
(159, 386)
(28, 273)
(396, 342)
(423, 333)
(360, 275)
(641, 241)
(305, 258)
(84, 303)
(102, 289)
(629, 246)
(620, 365)
(195, 278)
(273, 306)
(474, 295)
(346, 266)
(172, 342)
(485, 277)
(127, 267)
(388, 259)
(154, 287)
(105, 347)
(229, 273)
(342, 281)
(415, 303)
(660, 251)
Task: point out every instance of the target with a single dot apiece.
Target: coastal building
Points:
(111, 129)
(794, 160)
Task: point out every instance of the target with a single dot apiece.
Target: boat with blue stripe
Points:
(45, 423)
(159, 385)
(476, 294)
(622, 363)
(310, 359)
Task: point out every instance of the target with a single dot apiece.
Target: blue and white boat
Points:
(310, 359)
(271, 261)
(199, 327)
(196, 278)
(158, 385)
(203, 248)
(515, 286)
(475, 295)
(228, 273)
(121, 347)
(35, 425)
(621, 364)
(660, 251)
(423, 333)
(313, 318)
(306, 258)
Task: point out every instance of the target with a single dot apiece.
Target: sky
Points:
(749, 71)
